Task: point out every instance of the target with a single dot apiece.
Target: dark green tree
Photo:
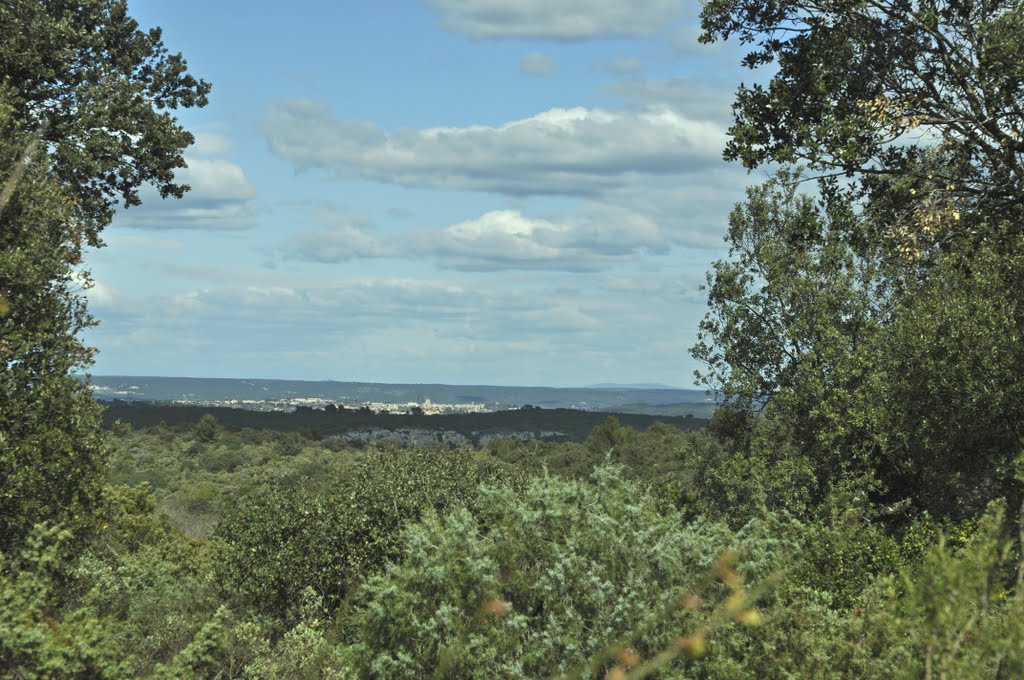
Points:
(98, 90)
(51, 457)
(880, 88)
(791, 317)
(207, 429)
(84, 123)
(277, 544)
(881, 319)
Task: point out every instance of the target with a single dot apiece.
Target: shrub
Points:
(537, 582)
(277, 544)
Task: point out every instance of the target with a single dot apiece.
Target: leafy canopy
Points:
(873, 88)
(84, 123)
(98, 90)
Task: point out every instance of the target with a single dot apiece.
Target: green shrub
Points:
(537, 582)
(150, 583)
(278, 543)
(37, 641)
(207, 429)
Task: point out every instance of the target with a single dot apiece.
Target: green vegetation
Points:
(525, 559)
(854, 508)
(82, 126)
(554, 424)
(51, 459)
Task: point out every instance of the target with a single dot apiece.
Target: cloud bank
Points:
(577, 151)
(556, 19)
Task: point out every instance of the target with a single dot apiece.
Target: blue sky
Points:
(517, 192)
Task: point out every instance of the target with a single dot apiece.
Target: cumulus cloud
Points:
(336, 244)
(210, 144)
(537, 64)
(96, 292)
(688, 97)
(221, 198)
(556, 19)
(595, 237)
(506, 239)
(216, 180)
(577, 151)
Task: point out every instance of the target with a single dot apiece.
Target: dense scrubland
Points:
(263, 554)
(855, 508)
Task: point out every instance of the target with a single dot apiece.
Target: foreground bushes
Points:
(433, 563)
(537, 582)
(276, 545)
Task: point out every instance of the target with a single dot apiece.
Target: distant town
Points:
(426, 407)
(396, 399)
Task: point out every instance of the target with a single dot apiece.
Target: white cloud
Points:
(688, 97)
(500, 239)
(210, 144)
(560, 151)
(215, 179)
(556, 19)
(537, 64)
(220, 198)
(335, 244)
(97, 294)
(506, 239)
(595, 237)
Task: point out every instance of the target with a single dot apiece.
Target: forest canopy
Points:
(855, 508)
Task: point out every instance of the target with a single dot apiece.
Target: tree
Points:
(791, 317)
(97, 90)
(947, 398)
(84, 124)
(207, 429)
(51, 457)
(881, 320)
(279, 543)
(793, 297)
(856, 80)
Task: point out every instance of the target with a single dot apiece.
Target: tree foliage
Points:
(878, 88)
(539, 582)
(51, 456)
(35, 644)
(83, 121)
(282, 542)
(97, 90)
(880, 319)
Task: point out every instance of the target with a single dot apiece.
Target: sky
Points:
(506, 192)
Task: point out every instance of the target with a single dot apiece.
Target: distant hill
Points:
(156, 388)
(634, 386)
